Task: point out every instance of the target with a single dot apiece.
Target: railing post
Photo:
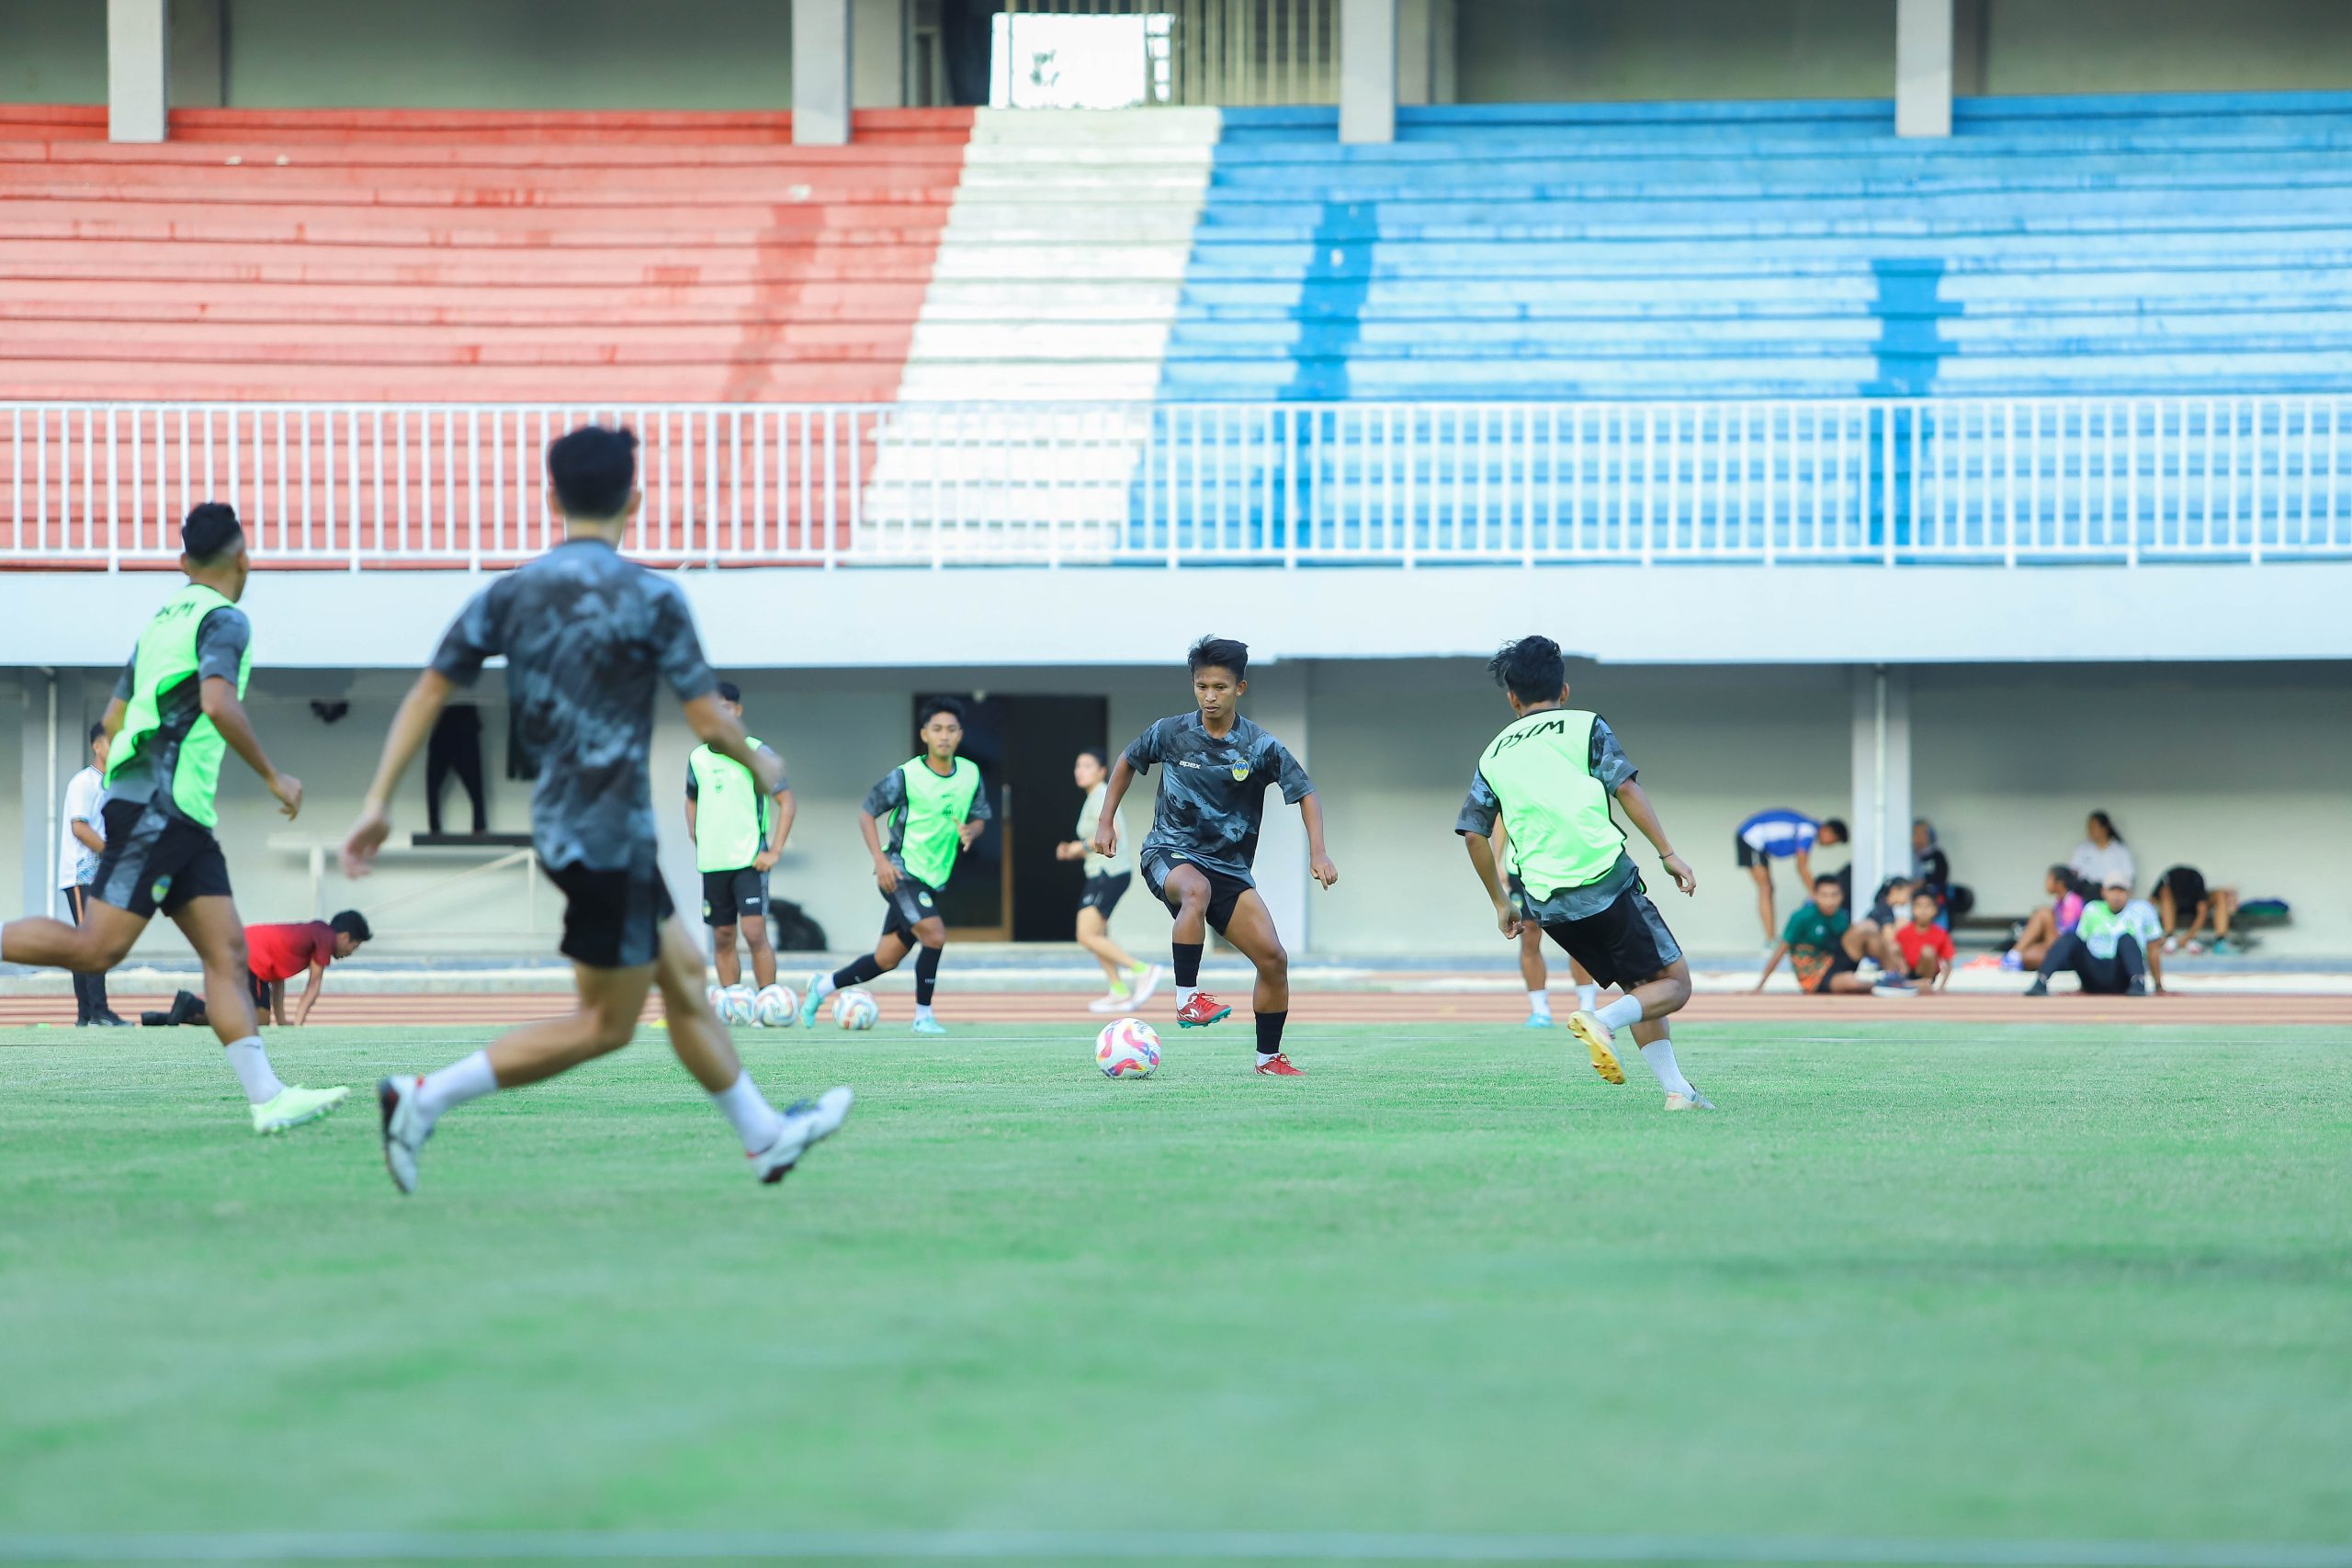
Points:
(114, 499)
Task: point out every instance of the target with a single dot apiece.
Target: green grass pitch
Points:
(1913, 1280)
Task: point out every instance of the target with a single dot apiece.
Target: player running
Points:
(739, 831)
(1203, 839)
(1531, 968)
(589, 639)
(1131, 983)
(1551, 775)
(937, 808)
(178, 710)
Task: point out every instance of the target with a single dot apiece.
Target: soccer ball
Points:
(776, 1007)
(716, 997)
(1127, 1049)
(737, 1005)
(855, 1009)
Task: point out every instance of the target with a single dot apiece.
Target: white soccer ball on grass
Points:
(1127, 1049)
(855, 1009)
(776, 1007)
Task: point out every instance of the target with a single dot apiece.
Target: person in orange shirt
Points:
(1925, 946)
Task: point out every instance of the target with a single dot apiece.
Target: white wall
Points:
(2244, 771)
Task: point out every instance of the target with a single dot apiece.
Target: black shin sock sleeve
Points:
(926, 974)
(1269, 1031)
(857, 974)
(1188, 962)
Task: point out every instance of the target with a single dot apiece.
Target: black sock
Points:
(857, 974)
(1269, 1031)
(926, 972)
(1188, 963)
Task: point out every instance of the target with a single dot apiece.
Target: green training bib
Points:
(165, 722)
(932, 816)
(1540, 768)
(730, 813)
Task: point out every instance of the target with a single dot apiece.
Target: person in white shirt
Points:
(2102, 857)
(1107, 876)
(77, 868)
(2114, 950)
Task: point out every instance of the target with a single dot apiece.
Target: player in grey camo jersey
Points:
(590, 640)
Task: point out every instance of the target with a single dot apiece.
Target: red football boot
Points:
(1278, 1066)
(1201, 1010)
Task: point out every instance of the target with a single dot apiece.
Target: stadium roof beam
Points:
(1367, 70)
(821, 72)
(1923, 52)
(139, 61)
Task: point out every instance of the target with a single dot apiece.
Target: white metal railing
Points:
(1895, 480)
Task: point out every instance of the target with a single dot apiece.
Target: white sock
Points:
(468, 1077)
(923, 1013)
(1185, 994)
(1622, 1013)
(1659, 1055)
(757, 1122)
(823, 987)
(251, 1064)
(1539, 1003)
(1265, 1056)
(1586, 996)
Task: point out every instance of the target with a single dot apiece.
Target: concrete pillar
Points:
(821, 72)
(878, 54)
(1280, 701)
(138, 70)
(199, 43)
(1881, 814)
(1923, 42)
(1367, 70)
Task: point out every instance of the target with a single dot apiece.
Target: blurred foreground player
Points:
(176, 712)
(589, 640)
(1551, 775)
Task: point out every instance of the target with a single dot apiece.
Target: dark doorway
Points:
(1008, 884)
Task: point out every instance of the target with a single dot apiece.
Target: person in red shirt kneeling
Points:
(274, 954)
(1927, 946)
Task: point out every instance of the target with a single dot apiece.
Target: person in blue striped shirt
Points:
(1782, 834)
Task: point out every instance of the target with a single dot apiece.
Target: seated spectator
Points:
(2047, 924)
(2102, 858)
(1925, 947)
(2113, 951)
(1782, 834)
(2185, 902)
(1890, 909)
(1824, 948)
(1931, 869)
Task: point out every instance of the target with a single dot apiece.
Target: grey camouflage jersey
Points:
(589, 640)
(1212, 796)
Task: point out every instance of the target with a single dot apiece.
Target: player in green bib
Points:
(934, 806)
(739, 831)
(176, 712)
(1551, 777)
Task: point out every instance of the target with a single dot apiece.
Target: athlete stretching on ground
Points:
(589, 640)
(1203, 839)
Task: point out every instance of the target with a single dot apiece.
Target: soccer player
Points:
(1782, 834)
(77, 865)
(589, 639)
(1203, 839)
(937, 808)
(276, 954)
(1551, 775)
(176, 712)
(738, 839)
(1132, 983)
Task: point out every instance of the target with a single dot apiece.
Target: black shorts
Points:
(2187, 885)
(612, 919)
(914, 902)
(729, 897)
(1102, 893)
(260, 989)
(1224, 889)
(1841, 963)
(155, 861)
(1623, 945)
